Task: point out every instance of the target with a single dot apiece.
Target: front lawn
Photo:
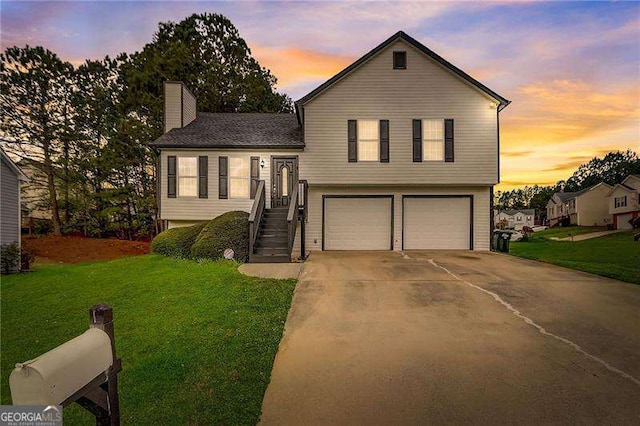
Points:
(562, 232)
(615, 255)
(197, 340)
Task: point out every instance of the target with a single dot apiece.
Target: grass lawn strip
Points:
(614, 256)
(197, 340)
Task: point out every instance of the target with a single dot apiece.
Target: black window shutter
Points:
(448, 140)
(417, 141)
(255, 175)
(203, 176)
(223, 177)
(384, 141)
(171, 176)
(353, 140)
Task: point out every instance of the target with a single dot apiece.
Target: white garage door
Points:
(437, 223)
(623, 221)
(357, 223)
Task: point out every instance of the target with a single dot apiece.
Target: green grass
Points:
(614, 256)
(561, 232)
(197, 340)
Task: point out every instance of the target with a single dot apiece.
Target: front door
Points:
(284, 174)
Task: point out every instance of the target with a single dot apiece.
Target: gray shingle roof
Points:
(566, 196)
(235, 130)
(523, 211)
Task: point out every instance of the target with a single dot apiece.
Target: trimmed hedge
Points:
(177, 242)
(230, 230)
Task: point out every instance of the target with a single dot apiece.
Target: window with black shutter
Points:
(384, 141)
(171, 176)
(223, 177)
(352, 140)
(203, 176)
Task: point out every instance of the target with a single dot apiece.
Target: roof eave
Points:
(230, 147)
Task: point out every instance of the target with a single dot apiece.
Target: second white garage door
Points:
(437, 223)
(362, 223)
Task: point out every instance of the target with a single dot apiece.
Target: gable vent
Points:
(399, 60)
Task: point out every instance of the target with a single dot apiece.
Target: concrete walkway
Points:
(271, 270)
(457, 337)
(582, 237)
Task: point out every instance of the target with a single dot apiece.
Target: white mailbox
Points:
(54, 376)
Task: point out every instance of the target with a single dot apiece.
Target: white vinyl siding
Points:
(173, 106)
(432, 140)
(199, 209)
(437, 223)
(368, 140)
(9, 205)
(180, 106)
(239, 177)
(187, 176)
(424, 90)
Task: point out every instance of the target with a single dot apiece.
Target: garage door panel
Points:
(357, 223)
(623, 221)
(437, 223)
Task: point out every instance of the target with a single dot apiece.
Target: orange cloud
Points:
(554, 127)
(292, 65)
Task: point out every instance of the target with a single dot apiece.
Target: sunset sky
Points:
(572, 70)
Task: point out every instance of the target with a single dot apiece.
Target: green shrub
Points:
(10, 258)
(230, 230)
(177, 242)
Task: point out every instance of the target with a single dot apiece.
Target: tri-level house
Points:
(624, 202)
(399, 151)
(587, 207)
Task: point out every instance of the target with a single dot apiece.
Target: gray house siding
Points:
(9, 205)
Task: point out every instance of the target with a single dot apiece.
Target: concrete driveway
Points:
(455, 337)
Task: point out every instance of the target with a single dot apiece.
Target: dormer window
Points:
(399, 60)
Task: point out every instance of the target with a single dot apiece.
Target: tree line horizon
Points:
(84, 130)
(611, 169)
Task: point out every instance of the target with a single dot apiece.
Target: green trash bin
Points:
(505, 237)
(501, 240)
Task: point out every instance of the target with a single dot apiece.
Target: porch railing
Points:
(292, 218)
(255, 217)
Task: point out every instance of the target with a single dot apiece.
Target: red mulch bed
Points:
(74, 249)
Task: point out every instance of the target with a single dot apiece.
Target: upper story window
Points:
(572, 204)
(187, 176)
(519, 218)
(433, 140)
(368, 140)
(620, 201)
(239, 177)
(528, 218)
(399, 60)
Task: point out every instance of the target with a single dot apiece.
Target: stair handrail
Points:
(303, 194)
(292, 218)
(255, 217)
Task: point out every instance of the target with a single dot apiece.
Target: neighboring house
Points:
(624, 202)
(516, 219)
(35, 195)
(588, 207)
(398, 151)
(10, 179)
